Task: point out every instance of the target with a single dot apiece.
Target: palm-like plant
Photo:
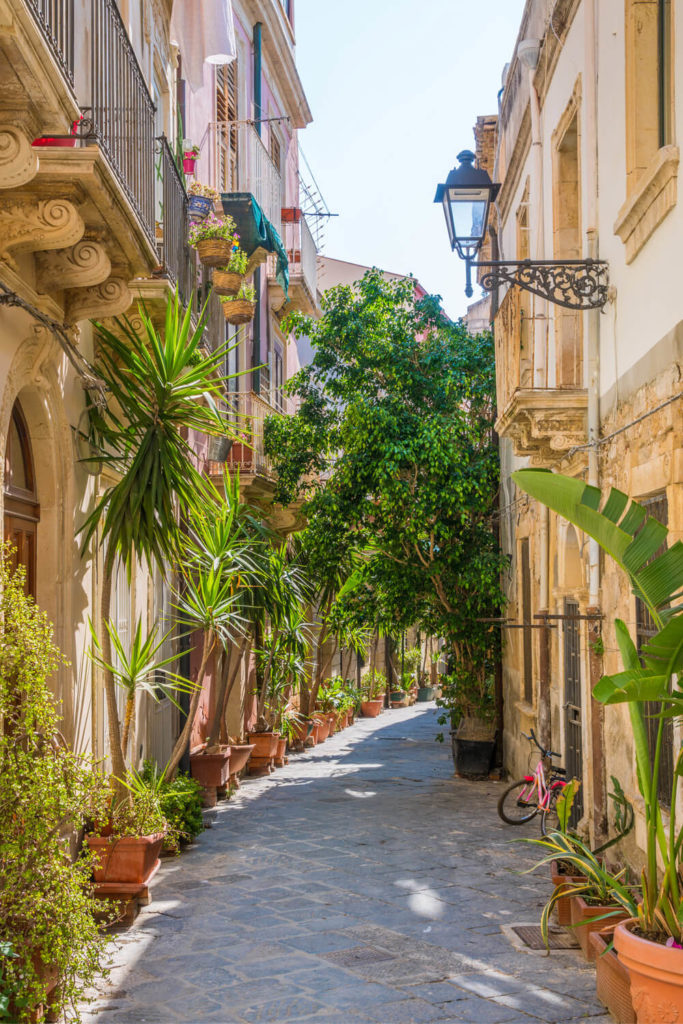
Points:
(624, 530)
(161, 385)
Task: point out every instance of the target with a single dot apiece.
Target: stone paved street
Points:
(363, 882)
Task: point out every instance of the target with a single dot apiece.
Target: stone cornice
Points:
(545, 423)
(656, 196)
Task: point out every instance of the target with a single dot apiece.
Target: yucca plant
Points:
(161, 385)
(625, 531)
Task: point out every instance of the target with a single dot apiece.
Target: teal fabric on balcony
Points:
(256, 231)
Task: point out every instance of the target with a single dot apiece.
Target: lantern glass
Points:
(468, 217)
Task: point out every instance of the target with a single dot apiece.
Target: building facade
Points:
(98, 99)
(587, 156)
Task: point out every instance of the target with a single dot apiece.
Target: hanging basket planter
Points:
(199, 207)
(225, 282)
(214, 252)
(239, 311)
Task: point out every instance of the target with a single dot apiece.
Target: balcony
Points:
(77, 213)
(541, 407)
(239, 162)
(303, 268)
(248, 457)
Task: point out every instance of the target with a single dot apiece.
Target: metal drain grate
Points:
(558, 938)
(359, 956)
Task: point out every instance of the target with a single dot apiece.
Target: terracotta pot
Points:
(371, 708)
(315, 733)
(656, 976)
(582, 925)
(280, 753)
(211, 770)
(304, 730)
(239, 311)
(226, 283)
(332, 719)
(612, 981)
(265, 743)
(239, 757)
(323, 729)
(214, 252)
(564, 910)
(128, 859)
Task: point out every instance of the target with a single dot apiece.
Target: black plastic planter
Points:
(472, 758)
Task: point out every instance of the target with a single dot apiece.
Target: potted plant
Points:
(68, 141)
(373, 686)
(201, 200)
(229, 279)
(211, 769)
(240, 308)
(468, 704)
(650, 944)
(125, 847)
(612, 978)
(180, 800)
(240, 754)
(190, 157)
(214, 239)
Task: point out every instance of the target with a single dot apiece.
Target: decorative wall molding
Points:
(545, 423)
(18, 158)
(85, 263)
(646, 209)
(29, 225)
(111, 298)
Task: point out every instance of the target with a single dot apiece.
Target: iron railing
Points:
(247, 454)
(56, 21)
(240, 162)
(302, 255)
(172, 222)
(121, 110)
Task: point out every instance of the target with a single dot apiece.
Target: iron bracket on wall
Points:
(574, 284)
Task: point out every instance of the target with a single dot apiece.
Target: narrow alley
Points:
(362, 883)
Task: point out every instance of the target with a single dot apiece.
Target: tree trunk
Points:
(261, 706)
(245, 650)
(184, 738)
(213, 734)
(118, 763)
(130, 711)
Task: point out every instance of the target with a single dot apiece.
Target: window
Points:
(22, 511)
(657, 507)
(649, 84)
(526, 622)
(278, 378)
(275, 151)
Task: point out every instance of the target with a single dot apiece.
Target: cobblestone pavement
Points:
(362, 883)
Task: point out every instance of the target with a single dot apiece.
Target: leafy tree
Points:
(393, 450)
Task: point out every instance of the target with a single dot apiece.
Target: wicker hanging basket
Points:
(239, 311)
(226, 283)
(214, 252)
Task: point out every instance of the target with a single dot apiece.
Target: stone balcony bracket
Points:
(544, 424)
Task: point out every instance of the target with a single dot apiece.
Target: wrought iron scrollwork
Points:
(574, 284)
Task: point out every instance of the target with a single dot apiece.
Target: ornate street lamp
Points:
(466, 197)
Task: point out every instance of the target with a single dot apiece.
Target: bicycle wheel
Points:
(549, 819)
(519, 803)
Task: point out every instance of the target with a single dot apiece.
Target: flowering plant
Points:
(214, 227)
(205, 191)
(192, 151)
(237, 263)
(247, 293)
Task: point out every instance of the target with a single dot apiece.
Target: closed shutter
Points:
(226, 116)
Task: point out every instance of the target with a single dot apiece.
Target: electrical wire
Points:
(615, 433)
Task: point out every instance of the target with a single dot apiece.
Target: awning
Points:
(256, 231)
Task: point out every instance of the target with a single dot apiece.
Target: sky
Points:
(395, 87)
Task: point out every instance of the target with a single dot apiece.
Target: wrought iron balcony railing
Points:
(172, 222)
(56, 20)
(301, 254)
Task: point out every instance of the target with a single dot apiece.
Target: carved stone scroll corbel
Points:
(18, 158)
(111, 298)
(85, 264)
(30, 225)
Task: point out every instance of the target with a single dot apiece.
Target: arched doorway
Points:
(22, 511)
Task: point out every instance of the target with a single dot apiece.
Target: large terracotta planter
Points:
(371, 708)
(211, 772)
(656, 976)
(583, 926)
(304, 730)
(280, 759)
(265, 749)
(563, 905)
(128, 859)
(323, 728)
(612, 981)
(239, 757)
(332, 719)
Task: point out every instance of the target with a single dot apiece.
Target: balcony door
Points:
(22, 511)
(226, 128)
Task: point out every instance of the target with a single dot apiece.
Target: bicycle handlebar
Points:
(544, 752)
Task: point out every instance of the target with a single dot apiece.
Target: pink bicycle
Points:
(522, 800)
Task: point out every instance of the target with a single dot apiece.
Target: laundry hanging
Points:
(204, 31)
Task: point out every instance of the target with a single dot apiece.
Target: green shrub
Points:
(181, 805)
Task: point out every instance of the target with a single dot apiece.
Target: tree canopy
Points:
(393, 450)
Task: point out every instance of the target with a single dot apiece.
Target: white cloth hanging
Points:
(203, 30)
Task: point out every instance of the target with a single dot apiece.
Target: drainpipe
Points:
(257, 76)
(528, 52)
(592, 381)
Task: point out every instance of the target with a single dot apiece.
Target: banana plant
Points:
(634, 540)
